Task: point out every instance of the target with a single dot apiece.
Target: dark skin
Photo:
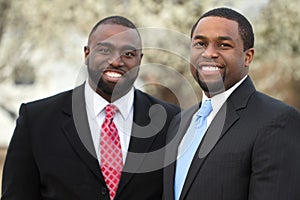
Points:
(113, 56)
(218, 60)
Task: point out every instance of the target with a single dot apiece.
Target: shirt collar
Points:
(95, 103)
(219, 99)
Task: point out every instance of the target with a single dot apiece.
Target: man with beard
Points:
(238, 143)
(101, 140)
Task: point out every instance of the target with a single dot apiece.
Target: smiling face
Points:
(113, 56)
(218, 60)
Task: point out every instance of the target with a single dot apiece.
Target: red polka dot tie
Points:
(110, 151)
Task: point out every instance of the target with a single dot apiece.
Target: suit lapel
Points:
(77, 131)
(225, 118)
(215, 132)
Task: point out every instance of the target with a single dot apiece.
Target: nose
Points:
(116, 60)
(210, 52)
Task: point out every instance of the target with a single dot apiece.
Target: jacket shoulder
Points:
(268, 103)
(49, 102)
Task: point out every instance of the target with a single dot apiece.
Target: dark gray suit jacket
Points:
(250, 151)
(51, 154)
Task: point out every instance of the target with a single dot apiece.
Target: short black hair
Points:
(244, 26)
(118, 20)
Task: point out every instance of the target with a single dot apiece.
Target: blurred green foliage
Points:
(49, 25)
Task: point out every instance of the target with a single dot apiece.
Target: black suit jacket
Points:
(250, 151)
(51, 154)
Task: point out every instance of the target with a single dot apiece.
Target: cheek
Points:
(95, 62)
(193, 60)
(234, 72)
(193, 71)
(131, 63)
(193, 57)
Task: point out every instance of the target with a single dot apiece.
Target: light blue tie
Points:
(189, 146)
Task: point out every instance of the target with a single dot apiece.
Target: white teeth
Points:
(113, 74)
(210, 68)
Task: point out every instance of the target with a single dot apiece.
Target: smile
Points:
(113, 74)
(209, 68)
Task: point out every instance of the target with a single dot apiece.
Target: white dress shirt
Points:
(219, 99)
(123, 119)
(217, 102)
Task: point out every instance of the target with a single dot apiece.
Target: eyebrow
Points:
(107, 44)
(125, 47)
(199, 37)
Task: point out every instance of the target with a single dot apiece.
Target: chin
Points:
(212, 87)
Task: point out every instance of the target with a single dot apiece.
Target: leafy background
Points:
(41, 47)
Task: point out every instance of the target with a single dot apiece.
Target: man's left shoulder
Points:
(274, 107)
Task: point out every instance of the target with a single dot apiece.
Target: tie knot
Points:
(110, 111)
(205, 109)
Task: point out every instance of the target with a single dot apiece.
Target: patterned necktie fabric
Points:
(110, 151)
(189, 146)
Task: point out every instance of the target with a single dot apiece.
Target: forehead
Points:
(216, 27)
(115, 34)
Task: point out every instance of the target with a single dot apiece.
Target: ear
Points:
(141, 57)
(249, 54)
(86, 53)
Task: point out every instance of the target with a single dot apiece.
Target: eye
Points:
(104, 51)
(199, 44)
(225, 45)
(129, 53)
